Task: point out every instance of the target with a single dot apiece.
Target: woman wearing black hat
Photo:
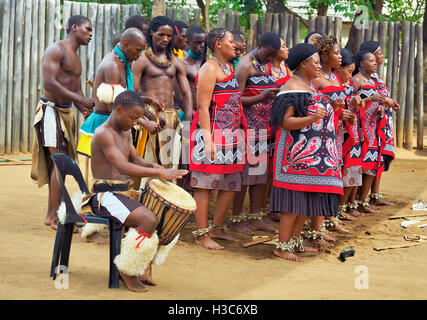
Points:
(330, 84)
(389, 148)
(307, 177)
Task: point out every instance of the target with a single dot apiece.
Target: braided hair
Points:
(155, 24)
(325, 44)
(212, 37)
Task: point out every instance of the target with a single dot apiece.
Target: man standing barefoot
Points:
(154, 73)
(54, 120)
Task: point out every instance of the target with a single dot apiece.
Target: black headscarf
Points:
(371, 46)
(310, 34)
(299, 53)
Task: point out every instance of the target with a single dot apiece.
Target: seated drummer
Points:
(114, 161)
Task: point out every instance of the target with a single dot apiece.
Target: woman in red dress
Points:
(217, 141)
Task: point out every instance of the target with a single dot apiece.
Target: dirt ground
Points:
(191, 272)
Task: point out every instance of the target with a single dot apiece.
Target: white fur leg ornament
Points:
(91, 228)
(137, 251)
(163, 251)
(76, 199)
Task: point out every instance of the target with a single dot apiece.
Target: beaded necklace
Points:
(368, 81)
(256, 63)
(278, 75)
(224, 68)
(328, 76)
(310, 85)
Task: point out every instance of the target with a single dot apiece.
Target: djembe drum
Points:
(172, 205)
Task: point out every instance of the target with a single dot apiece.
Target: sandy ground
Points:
(192, 272)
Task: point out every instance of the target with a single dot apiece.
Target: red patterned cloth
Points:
(227, 122)
(307, 159)
(373, 131)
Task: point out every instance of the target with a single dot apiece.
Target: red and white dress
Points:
(227, 130)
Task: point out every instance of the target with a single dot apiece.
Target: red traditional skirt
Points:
(227, 130)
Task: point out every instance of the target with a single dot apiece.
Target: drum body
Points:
(172, 205)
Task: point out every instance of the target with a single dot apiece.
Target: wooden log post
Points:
(284, 27)
(395, 70)
(254, 26)
(26, 105)
(17, 78)
(329, 25)
(289, 32)
(419, 81)
(321, 24)
(267, 22)
(375, 26)
(338, 30)
(409, 112)
(250, 40)
(276, 23)
(34, 66)
(159, 8)
(311, 23)
(382, 35)
(10, 77)
(91, 66)
(168, 13)
(185, 15)
(4, 63)
(403, 82)
(196, 16)
(390, 56)
(295, 30)
(222, 18)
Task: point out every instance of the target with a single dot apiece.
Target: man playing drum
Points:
(114, 161)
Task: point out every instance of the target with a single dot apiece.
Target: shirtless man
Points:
(61, 69)
(112, 70)
(154, 73)
(115, 160)
(196, 41)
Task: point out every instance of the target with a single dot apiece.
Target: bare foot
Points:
(327, 237)
(133, 283)
(207, 242)
(339, 229)
(322, 243)
(306, 249)
(345, 216)
(54, 224)
(241, 227)
(147, 277)
(380, 202)
(220, 234)
(261, 225)
(355, 213)
(96, 238)
(286, 255)
(366, 209)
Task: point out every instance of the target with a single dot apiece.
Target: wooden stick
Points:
(257, 241)
(396, 246)
(408, 215)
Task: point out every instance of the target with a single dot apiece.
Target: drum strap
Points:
(105, 187)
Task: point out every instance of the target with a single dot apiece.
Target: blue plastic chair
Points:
(61, 251)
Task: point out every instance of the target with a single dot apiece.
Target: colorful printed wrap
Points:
(351, 148)
(334, 93)
(389, 148)
(258, 116)
(373, 131)
(280, 82)
(227, 120)
(306, 159)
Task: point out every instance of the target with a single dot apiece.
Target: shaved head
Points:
(132, 42)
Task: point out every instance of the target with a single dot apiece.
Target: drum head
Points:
(173, 194)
